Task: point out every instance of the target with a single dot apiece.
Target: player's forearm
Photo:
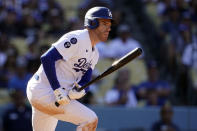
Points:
(48, 61)
(86, 78)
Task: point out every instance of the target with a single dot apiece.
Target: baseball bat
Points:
(115, 66)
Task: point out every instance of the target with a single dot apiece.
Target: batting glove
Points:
(61, 96)
(74, 94)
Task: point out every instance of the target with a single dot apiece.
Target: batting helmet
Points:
(95, 13)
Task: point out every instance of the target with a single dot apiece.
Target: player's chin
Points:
(104, 38)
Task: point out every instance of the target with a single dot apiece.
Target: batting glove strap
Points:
(61, 96)
(74, 94)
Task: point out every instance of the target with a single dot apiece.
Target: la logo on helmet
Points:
(110, 14)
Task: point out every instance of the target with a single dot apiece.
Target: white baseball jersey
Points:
(78, 55)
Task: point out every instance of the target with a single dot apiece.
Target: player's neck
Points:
(93, 38)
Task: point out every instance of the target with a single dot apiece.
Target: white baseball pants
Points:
(45, 114)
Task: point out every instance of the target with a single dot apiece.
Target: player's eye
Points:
(105, 23)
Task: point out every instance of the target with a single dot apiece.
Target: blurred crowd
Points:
(170, 74)
(175, 21)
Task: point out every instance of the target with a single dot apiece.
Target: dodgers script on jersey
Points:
(78, 56)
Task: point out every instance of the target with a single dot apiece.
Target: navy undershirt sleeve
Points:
(48, 60)
(86, 78)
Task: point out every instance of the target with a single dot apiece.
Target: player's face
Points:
(103, 29)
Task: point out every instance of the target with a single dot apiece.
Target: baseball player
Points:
(68, 64)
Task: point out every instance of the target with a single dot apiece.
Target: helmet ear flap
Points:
(92, 24)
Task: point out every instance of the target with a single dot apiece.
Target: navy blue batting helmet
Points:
(95, 13)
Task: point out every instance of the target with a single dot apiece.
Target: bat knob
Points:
(57, 104)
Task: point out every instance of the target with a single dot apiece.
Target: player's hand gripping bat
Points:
(115, 66)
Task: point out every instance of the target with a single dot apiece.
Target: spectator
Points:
(176, 50)
(189, 56)
(18, 116)
(32, 48)
(170, 25)
(185, 53)
(183, 39)
(8, 54)
(162, 6)
(16, 4)
(193, 10)
(53, 7)
(165, 123)
(33, 57)
(56, 24)
(10, 24)
(29, 25)
(154, 89)
(119, 46)
(122, 92)
(8, 70)
(4, 42)
(31, 7)
(20, 79)
(124, 43)
(189, 62)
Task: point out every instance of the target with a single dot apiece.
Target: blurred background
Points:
(156, 92)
